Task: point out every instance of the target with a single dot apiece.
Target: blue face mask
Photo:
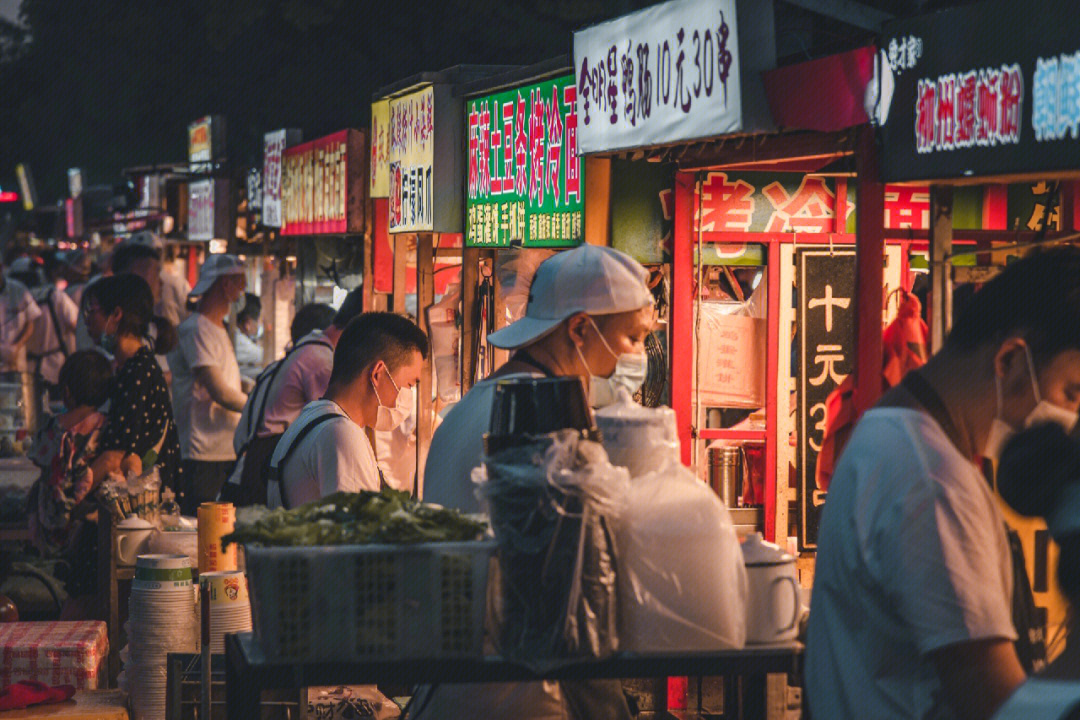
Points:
(630, 372)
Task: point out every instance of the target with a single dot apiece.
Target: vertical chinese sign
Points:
(525, 173)
(274, 144)
(380, 149)
(201, 210)
(324, 185)
(826, 327)
(663, 74)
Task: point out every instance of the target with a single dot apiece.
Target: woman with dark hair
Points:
(140, 432)
(1039, 476)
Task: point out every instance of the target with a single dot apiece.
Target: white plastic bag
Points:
(682, 582)
(640, 439)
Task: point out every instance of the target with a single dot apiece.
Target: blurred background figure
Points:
(309, 318)
(18, 313)
(53, 338)
(249, 353)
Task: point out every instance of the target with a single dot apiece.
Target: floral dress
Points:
(64, 456)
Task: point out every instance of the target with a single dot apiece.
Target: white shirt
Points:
(47, 341)
(173, 303)
(206, 429)
(17, 308)
(334, 456)
(249, 356)
(912, 557)
(1043, 699)
(457, 447)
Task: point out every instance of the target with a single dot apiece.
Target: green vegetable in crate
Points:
(389, 516)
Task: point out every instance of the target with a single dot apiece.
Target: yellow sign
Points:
(199, 141)
(380, 149)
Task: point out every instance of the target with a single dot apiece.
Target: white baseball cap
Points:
(588, 279)
(216, 266)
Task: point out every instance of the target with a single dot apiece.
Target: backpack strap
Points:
(263, 383)
(56, 322)
(277, 468)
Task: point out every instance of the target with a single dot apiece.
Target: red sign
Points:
(324, 185)
(9, 196)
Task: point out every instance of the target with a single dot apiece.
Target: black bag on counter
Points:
(556, 549)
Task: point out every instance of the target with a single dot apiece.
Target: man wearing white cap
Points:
(589, 312)
(207, 391)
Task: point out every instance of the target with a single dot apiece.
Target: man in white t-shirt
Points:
(207, 391)
(589, 312)
(282, 390)
(912, 613)
(377, 362)
(18, 315)
(53, 338)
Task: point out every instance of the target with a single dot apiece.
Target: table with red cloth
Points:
(55, 653)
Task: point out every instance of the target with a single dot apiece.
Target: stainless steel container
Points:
(726, 473)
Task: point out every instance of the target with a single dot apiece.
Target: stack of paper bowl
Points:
(230, 606)
(161, 620)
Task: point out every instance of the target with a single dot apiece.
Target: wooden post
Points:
(470, 279)
(498, 322)
(401, 252)
(368, 279)
(869, 272)
(598, 200)
(941, 202)
(425, 296)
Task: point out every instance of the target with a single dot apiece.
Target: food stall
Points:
(989, 110)
(525, 197)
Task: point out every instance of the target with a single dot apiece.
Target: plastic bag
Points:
(640, 439)
(682, 582)
(553, 503)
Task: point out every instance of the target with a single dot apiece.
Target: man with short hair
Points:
(377, 362)
(912, 611)
(281, 391)
(207, 390)
(142, 260)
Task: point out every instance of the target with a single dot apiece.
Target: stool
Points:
(86, 705)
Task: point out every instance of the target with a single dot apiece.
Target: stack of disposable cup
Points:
(230, 606)
(161, 620)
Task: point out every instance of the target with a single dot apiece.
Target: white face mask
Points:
(389, 418)
(629, 374)
(1043, 412)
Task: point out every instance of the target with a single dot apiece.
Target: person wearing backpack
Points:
(281, 391)
(53, 339)
(377, 362)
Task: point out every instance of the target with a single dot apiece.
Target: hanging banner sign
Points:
(826, 326)
(965, 94)
(75, 182)
(206, 139)
(380, 149)
(424, 162)
(525, 184)
(660, 75)
(274, 144)
(323, 185)
(203, 210)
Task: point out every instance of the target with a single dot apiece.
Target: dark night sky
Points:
(107, 84)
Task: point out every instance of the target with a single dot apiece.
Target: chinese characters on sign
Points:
(274, 147)
(960, 110)
(524, 182)
(1055, 101)
(206, 140)
(320, 187)
(201, 210)
(826, 326)
(758, 202)
(663, 74)
(904, 53)
(412, 160)
(380, 149)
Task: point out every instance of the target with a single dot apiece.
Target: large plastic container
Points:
(369, 602)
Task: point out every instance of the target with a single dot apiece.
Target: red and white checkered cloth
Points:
(55, 653)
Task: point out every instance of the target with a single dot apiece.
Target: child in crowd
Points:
(64, 448)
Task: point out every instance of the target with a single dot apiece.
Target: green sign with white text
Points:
(525, 174)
